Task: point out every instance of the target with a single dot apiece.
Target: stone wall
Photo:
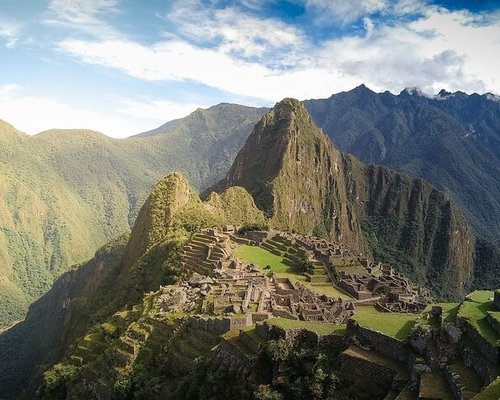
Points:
(487, 349)
(232, 358)
(387, 345)
(496, 298)
(495, 323)
(473, 360)
(377, 374)
(249, 342)
(453, 383)
(240, 322)
(332, 343)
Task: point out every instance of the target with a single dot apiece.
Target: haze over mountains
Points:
(65, 193)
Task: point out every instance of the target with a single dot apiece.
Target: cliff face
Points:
(296, 176)
(411, 224)
(157, 214)
(304, 184)
(451, 140)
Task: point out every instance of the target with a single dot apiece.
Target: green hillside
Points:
(64, 193)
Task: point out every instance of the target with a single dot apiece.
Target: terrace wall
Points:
(387, 345)
(495, 323)
(485, 347)
(376, 373)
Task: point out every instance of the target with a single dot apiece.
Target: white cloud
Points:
(10, 31)
(345, 11)
(83, 15)
(235, 32)
(180, 61)
(442, 49)
(451, 50)
(127, 118)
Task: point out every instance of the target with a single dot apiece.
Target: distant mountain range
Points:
(65, 193)
(451, 140)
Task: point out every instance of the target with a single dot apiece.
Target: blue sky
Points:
(125, 66)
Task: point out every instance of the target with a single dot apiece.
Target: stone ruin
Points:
(218, 284)
(378, 283)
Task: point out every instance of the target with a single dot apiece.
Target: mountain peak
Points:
(169, 195)
(291, 169)
(412, 91)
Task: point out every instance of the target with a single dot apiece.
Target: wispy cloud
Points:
(154, 109)
(423, 53)
(344, 11)
(10, 31)
(83, 15)
(236, 33)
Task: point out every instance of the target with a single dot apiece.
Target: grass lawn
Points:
(396, 325)
(450, 311)
(475, 310)
(481, 296)
(495, 315)
(318, 327)
(492, 392)
(321, 288)
(260, 257)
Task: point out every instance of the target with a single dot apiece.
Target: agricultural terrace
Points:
(392, 324)
(318, 327)
(474, 310)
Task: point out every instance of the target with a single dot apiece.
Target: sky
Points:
(122, 67)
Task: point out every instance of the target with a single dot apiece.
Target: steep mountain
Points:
(118, 275)
(63, 194)
(451, 140)
(306, 185)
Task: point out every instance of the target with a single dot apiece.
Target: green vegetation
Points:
(400, 220)
(264, 258)
(261, 257)
(450, 311)
(398, 326)
(427, 138)
(474, 311)
(492, 392)
(65, 193)
(322, 329)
